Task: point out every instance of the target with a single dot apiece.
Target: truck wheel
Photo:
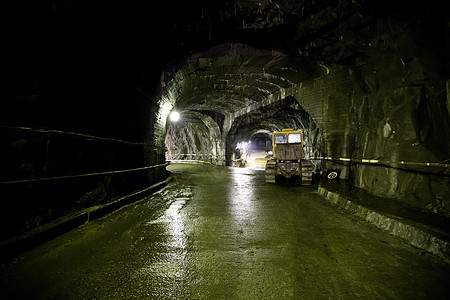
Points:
(270, 171)
(306, 172)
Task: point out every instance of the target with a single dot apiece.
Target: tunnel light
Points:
(242, 145)
(174, 116)
(164, 111)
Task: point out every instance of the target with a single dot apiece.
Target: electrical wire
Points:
(72, 134)
(376, 161)
(81, 175)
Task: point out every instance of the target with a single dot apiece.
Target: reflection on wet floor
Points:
(242, 195)
(170, 264)
(173, 223)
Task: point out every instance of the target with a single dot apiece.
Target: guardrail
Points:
(74, 135)
(193, 156)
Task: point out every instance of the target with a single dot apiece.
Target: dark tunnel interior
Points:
(88, 87)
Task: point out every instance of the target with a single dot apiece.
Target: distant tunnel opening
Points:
(257, 128)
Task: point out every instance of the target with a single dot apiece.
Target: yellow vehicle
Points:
(288, 157)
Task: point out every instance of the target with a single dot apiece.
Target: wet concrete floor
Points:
(223, 233)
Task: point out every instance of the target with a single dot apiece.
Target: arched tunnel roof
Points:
(243, 89)
(236, 79)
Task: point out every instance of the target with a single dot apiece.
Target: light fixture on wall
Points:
(174, 116)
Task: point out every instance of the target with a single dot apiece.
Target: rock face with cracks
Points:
(195, 140)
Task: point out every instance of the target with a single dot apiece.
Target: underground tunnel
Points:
(89, 90)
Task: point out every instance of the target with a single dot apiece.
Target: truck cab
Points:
(288, 157)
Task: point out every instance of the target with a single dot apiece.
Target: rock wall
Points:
(197, 139)
(33, 155)
(390, 105)
(90, 122)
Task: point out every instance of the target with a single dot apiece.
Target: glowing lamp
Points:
(174, 116)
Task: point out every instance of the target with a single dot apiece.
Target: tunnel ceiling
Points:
(285, 114)
(237, 77)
